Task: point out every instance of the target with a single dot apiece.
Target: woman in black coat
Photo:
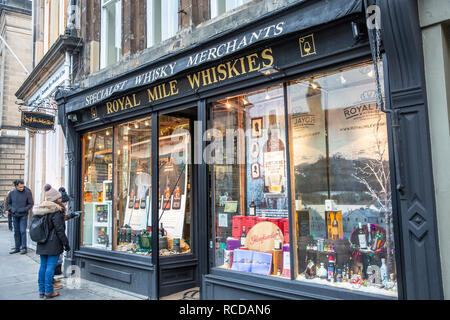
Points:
(56, 243)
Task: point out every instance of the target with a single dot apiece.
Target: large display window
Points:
(341, 182)
(174, 195)
(250, 183)
(133, 145)
(341, 211)
(97, 171)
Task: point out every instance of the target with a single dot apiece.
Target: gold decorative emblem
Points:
(307, 46)
(94, 112)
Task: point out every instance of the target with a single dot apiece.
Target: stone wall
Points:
(12, 162)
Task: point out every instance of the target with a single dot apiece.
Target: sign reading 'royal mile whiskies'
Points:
(37, 121)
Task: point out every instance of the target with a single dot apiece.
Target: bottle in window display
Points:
(322, 273)
(130, 202)
(362, 237)
(376, 240)
(383, 272)
(310, 272)
(335, 229)
(278, 243)
(166, 203)
(176, 198)
(252, 208)
(243, 237)
(339, 275)
(369, 236)
(331, 268)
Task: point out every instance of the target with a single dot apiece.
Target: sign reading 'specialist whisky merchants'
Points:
(37, 121)
(281, 41)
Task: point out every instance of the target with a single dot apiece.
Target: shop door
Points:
(177, 204)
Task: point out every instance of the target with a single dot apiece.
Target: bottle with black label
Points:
(176, 203)
(166, 203)
(362, 237)
(243, 237)
(310, 272)
(130, 201)
(252, 208)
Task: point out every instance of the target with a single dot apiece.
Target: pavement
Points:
(19, 275)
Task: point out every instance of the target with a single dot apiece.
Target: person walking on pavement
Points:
(20, 201)
(56, 243)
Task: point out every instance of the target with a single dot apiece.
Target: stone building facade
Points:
(15, 26)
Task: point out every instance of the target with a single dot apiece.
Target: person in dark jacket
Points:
(20, 201)
(56, 243)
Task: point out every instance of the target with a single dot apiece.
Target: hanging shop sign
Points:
(288, 22)
(37, 121)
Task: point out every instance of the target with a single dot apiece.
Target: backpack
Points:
(39, 228)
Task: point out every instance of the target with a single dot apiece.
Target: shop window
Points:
(219, 7)
(174, 201)
(162, 20)
(250, 200)
(340, 169)
(111, 32)
(132, 147)
(97, 178)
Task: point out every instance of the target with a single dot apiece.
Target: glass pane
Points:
(97, 180)
(133, 145)
(248, 152)
(340, 164)
(174, 185)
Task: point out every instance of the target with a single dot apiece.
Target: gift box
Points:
(238, 223)
(286, 230)
(233, 243)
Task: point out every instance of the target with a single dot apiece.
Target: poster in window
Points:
(173, 161)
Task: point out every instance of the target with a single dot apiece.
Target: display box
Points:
(238, 223)
(335, 228)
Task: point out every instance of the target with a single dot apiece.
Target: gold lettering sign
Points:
(231, 69)
(307, 46)
(122, 103)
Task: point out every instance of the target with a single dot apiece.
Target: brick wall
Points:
(12, 162)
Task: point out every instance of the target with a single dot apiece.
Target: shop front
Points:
(257, 165)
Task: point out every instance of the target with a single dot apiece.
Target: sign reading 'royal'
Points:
(37, 121)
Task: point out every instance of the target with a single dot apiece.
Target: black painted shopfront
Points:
(278, 176)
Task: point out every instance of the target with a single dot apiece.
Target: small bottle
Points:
(162, 231)
(130, 202)
(375, 241)
(331, 269)
(339, 275)
(310, 271)
(383, 271)
(277, 243)
(335, 229)
(369, 236)
(362, 237)
(243, 237)
(176, 204)
(252, 208)
(322, 271)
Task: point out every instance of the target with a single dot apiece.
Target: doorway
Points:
(178, 213)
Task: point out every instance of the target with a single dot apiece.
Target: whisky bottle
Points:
(166, 203)
(383, 272)
(162, 231)
(252, 208)
(335, 229)
(331, 269)
(310, 271)
(142, 206)
(369, 237)
(130, 202)
(375, 241)
(176, 203)
(243, 237)
(362, 237)
(278, 243)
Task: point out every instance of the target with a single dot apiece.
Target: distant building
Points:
(15, 28)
